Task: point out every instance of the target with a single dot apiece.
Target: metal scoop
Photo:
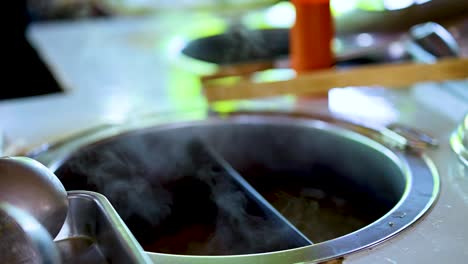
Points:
(23, 239)
(33, 209)
(30, 186)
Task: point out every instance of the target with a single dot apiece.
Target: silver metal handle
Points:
(429, 41)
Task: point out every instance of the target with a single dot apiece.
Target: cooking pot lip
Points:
(63, 151)
(421, 191)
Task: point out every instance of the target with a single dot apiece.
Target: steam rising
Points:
(176, 199)
(179, 191)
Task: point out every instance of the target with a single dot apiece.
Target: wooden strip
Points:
(320, 82)
(244, 69)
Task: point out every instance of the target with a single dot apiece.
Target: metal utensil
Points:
(23, 239)
(32, 187)
(29, 185)
(431, 41)
(94, 233)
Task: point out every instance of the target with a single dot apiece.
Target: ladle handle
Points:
(430, 41)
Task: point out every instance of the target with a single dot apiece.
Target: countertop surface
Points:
(116, 70)
(109, 70)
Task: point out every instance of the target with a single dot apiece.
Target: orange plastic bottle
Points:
(311, 36)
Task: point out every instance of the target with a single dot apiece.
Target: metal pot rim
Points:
(422, 189)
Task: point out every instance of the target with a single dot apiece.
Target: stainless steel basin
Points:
(340, 189)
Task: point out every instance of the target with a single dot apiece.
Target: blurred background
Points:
(351, 16)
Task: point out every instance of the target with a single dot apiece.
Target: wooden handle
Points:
(320, 82)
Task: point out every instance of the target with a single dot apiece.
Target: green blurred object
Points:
(371, 5)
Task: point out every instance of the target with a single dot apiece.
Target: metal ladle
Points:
(33, 210)
(30, 186)
(23, 239)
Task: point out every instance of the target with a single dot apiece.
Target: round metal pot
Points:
(341, 190)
